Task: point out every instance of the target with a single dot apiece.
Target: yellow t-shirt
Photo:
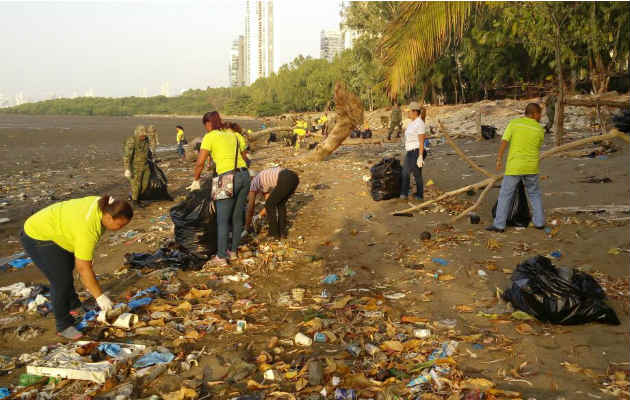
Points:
(222, 144)
(525, 136)
(75, 225)
(180, 135)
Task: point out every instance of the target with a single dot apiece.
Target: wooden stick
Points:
(477, 203)
(613, 134)
(461, 153)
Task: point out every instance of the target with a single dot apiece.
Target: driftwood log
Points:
(349, 115)
(491, 181)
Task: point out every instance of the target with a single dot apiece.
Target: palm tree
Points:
(418, 36)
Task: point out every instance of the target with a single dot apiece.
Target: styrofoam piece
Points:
(65, 362)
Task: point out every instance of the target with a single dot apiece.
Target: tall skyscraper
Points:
(269, 37)
(260, 17)
(330, 44)
(248, 39)
(237, 62)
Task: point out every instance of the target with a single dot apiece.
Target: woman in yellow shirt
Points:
(63, 236)
(228, 150)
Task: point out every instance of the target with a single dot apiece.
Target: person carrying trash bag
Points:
(415, 152)
(62, 237)
(229, 188)
(276, 185)
(152, 134)
(525, 136)
(135, 162)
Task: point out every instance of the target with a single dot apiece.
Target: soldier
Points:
(396, 122)
(136, 154)
(550, 110)
(153, 137)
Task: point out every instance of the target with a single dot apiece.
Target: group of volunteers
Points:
(524, 135)
(63, 236)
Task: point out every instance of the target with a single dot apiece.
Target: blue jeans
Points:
(180, 149)
(232, 210)
(57, 265)
(506, 194)
(410, 167)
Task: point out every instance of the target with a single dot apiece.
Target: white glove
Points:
(213, 209)
(255, 220)
(127, 174)
(104, 303)
(420, 162)
(195, 185)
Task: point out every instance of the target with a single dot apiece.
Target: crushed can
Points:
(345, 394)
(320, 337)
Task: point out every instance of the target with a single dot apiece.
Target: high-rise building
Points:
(264, 26)
(269, 37)
(237, 62)
(330, 44)
(247, 47)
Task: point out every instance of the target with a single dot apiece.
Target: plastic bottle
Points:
(29, 379)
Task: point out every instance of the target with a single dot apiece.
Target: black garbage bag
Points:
(165, 257)
(488, 131)
(157, 189)
(622, 121)
(366, 134)
(272, 138)
(558, 295)
(519, 214)
(355, 134)
(385, 182)
(195, 223)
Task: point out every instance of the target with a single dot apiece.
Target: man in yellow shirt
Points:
(525, 136)
(180, 141)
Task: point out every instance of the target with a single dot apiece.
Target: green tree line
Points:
(491, 50)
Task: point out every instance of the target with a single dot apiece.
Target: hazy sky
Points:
(119, 48)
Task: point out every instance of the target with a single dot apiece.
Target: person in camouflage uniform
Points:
(152, 134)
(136, 154)
(550, 110)
(395, 122)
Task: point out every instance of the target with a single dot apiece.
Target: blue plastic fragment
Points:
(147, 291)
(112, 349)
(4, 392)
(556, 254)
(144, 301)
(20, 262)
(153, 358)
(440, 261)
(330, 279)
(89, 316)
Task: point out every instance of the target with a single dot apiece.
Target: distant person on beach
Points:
(154, 141)
(276, 185)
(550, 111)
(415, 152)
(525, 136)
(228, 151)
(62, 237)
(395, 123)
(323, 122)
(181, 141)
(135, 162)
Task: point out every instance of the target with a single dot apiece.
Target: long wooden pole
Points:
(490, 181)
(461, 153)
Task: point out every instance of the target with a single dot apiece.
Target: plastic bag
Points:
(355, 134)
(488, 132)
(558, 295)
(157, 188)
(385, 181)
(367, 134)
(195, 223)
(164, 258)
(519, 214)
(622, 121)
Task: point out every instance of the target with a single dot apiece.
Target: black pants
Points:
(276, 204)
(57, 264)
(410, 167)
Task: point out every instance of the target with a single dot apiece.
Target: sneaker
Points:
(231, 256)
(540, 227)
(71, 333)
(493, 228)
(217, 262)
(403, 197)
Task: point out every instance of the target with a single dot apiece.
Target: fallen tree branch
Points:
(599, 209)
(490, 181)
(461, 153)
(477, 203)
(256, 135)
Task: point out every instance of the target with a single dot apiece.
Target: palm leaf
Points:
(418, 36)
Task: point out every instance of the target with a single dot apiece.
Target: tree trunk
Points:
(349, 115)
(559, 117)
(478, 120)
(454, 82)
(459, 75)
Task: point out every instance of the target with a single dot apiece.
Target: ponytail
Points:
(116, 208)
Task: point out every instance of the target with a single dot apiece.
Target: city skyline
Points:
(71, 48)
